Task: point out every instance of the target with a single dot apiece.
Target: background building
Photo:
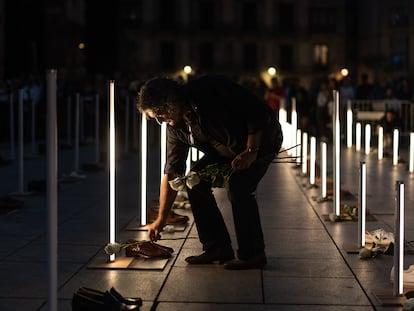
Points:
(302, 38)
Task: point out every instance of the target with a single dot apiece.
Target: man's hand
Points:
(155, 229)
(243, 160)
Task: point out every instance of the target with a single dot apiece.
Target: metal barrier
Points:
(370, 111)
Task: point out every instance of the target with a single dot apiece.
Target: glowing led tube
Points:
(299, 147)
(324, 162)
(380, 143)
(411, 164)
(144, 170)
(305, 153)
(111, 163)
(336, 153)
(362, 198)
(349, 125)
(358, 136)
(163, 147)
(312, 160)
(395, 144)
(399, 240)
(367, 138)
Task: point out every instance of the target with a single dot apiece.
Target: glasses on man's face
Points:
(159, 119)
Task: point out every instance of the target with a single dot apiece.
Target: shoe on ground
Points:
(256, 262)
(212, 255)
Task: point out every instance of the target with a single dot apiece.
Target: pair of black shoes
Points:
(88, 299)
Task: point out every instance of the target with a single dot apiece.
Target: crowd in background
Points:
(313, 103)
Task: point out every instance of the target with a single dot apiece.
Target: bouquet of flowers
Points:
(217, 174)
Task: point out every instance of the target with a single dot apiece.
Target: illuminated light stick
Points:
(411, 163)
(380, 143)
(299, 146)
(163, 147)
(399, 240)
(358, 136)
(336, 153)
(312, 161)
(12, 143)
(69, 121)
(294, 120)
(395, 144)
(324, 164)
(97, 128)
(362, 203)
(144, 151)
(304, 153)
(112, 150)
(349, 121)
(52, 202)
(367, 138)
(126, 138)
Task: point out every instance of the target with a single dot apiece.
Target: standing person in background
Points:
(274, 95)
(231, 127)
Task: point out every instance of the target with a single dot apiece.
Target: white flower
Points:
(113, 248)
(409, 304)
(192, 179)
(177, 184)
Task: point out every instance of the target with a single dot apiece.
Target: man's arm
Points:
(167, 197)
(243, 160)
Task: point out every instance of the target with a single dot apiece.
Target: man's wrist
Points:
(252, 149)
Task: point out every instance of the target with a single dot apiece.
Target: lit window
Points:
(320, 54)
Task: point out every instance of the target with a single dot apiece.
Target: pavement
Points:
(310, 266)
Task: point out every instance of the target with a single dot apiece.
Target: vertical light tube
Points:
(299, 146)
(411, 163)
(77, 110)
(305, 153)
(395, 144)
(349, 122)
(312, 160)
(294, 120)
(362, 200)
(163, 147)
(324, 164)
(399, 240)
(12, 142)
(112, 149)
(358, 136)
(336, 153)
(380, 143)
(367, 138)
(97, 147)
(20, 164)
(52, 202)
(144, 169)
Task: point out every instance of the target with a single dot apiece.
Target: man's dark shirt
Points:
(225, 113)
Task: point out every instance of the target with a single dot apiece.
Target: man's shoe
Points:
(256, 262)
(220, 254)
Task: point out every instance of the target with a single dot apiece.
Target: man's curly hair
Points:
(161, 95)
